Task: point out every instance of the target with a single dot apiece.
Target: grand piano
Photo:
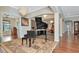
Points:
(40, 30)
(40, 26)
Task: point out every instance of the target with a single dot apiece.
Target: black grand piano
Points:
(40, 29)
(40, 25)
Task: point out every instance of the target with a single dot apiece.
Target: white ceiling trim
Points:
(37, 10)
(43, 11)
(30, 9)
(72, 16)
(70, 11)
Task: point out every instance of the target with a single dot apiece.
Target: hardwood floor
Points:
(68, 44)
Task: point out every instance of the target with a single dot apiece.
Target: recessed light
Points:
(51, 21)
(44, 16)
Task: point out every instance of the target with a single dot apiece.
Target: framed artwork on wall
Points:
(24, 21)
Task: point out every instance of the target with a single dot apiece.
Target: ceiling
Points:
(67, 11)
(70, 11)
(36, 11)
(30, 8)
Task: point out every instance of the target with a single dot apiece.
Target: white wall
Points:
(61, 26)
(56, 26)
(23, 29)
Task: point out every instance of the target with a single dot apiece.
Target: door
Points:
(76, 27)
(14, 33)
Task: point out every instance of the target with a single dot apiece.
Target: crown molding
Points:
(72, 16)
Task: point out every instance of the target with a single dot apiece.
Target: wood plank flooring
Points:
(68, 44)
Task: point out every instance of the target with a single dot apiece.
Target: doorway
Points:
(6, 29)
(14, 34)
(76, 27)
(9, 27)
(69, 29)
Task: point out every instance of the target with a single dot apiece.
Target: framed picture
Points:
(24, 21)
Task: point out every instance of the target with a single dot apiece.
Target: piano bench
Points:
(24, 38)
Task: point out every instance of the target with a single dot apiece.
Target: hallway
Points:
(68, 44)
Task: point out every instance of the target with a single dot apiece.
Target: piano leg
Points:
(29, 42)
(22, 40)
(34, 40)
(45, 36)
(26, 41)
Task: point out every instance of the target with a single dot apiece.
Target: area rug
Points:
(39, 46)
(2, 50)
